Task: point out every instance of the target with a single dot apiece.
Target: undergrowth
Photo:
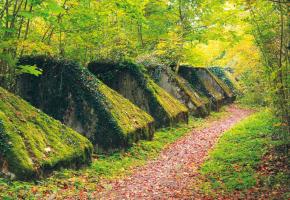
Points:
(234, 164)
(72, 183)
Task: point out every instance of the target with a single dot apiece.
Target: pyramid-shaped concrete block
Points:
(180, 89)
(71, 94)
(132, 81)
(208, 84)
(33, 144)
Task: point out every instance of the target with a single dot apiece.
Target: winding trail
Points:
(170, 175)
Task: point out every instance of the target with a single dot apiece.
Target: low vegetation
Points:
(237, 164)
(71, 183)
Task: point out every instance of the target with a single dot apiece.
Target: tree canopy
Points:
(248, 35)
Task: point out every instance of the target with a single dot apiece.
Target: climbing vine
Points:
(4, 141)
(113, 70)
(67, 89)
(220, 73)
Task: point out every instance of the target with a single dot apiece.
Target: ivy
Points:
(193, 79)
(64, 85)
(220, 73)
(4, 141)
(109, 72)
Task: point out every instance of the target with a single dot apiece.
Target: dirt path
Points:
(170, 175)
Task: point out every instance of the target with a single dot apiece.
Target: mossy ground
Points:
(35, 143)
(83, 183)
(234, 164)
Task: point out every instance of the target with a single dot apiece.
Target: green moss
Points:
(202, 80)
(171, 105)
(73, 95)
(178, 87)
(165, 109)
(130, 118)
(232, 165)
(34, 142)
(112, 166)
(194, 98)
(222, 84)
(227, 78)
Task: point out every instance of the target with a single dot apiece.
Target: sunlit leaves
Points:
(28, 69)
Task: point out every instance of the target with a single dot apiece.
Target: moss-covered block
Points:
(71, 94)
(33, 144)
(207, 84)
(180, 89)
(227, 78)
(132, 81)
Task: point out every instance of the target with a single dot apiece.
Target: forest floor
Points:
(230, 154)
(169, 176)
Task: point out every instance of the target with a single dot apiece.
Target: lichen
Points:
(34, 142)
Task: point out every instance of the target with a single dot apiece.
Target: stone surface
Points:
(33, 144)
(131, 80)
(71, 94)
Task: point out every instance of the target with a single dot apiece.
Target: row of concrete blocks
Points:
(115, 104)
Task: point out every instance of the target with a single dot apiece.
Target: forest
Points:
(144, 99)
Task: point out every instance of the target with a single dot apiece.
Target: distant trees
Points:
(198, 32)
(270, 27)
(86, 29)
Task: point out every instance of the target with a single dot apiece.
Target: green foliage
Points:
(33, 70)
(270, 27)
(233, 163)
(33, 143)
(69, 183)
(253, 87)
(89, 30)
(165, 109)
(70, 92)
(177, 32)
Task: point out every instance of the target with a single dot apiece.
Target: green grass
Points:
(69, 183)
(232, 164)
